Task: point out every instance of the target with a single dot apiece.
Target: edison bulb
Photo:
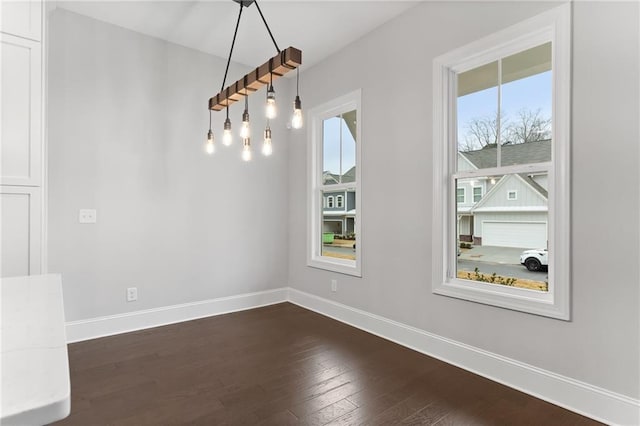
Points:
(271, 110)
(209, 147)
(227, 136)
(245, 131)
(296, 121)
(246, 151)
(267, 148)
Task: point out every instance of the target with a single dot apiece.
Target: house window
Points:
(502, 104)
(477, 193)
(460, 195)
(334, 167)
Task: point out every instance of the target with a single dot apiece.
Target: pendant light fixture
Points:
(271, 110)
(285, 61)
(209, 147)
(267, 148)
(296, 120)
(245, 130)
(227, 136)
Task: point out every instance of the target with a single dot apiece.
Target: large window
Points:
(502, 108)
(334, 225)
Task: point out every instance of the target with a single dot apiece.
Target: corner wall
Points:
(128, 118)
(393, 66)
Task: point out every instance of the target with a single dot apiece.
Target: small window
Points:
(512, 195)
(477, 193)
(334, 158)
(460, 195)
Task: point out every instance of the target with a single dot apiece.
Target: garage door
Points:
(514, 234)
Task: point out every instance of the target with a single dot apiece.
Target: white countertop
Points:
(35, 365)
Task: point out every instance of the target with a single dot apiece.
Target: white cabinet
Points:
(21, 92)
(20, 223)
(22, 18)
(21, 138)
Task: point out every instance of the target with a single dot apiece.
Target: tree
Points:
(529, 126)
(482, 131)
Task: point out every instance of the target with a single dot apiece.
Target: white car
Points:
(535, 260)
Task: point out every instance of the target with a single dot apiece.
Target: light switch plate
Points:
(87, 216)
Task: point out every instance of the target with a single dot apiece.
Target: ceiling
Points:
(318, 28)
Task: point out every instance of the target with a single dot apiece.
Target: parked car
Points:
(535, 260)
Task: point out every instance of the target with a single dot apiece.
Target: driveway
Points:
(490, 254)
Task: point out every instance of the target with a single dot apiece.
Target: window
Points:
(333, 236)
(502, 104)
(460, 195)
(477, 193)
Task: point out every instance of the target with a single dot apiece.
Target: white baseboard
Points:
(591, 401)
(139, 320)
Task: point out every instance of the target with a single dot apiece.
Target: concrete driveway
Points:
(502, 255)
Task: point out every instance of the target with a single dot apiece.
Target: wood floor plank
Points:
(282, 365)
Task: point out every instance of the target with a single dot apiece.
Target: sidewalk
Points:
(502, 255)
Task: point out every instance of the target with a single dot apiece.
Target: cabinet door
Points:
(22, 18)
(21, 89)
(20, 231)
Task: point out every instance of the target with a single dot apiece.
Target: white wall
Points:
(128, 118)
(393, 66)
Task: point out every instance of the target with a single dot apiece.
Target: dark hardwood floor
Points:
(282, 365)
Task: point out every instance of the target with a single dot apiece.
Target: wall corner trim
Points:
(580, 397)
(94, 328)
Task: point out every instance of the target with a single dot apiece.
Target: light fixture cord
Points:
(267, 25)
(209, 120)
(298, 81)
(235, 33)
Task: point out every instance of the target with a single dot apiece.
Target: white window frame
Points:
(553, 25)
(515, 195)
(464, 194)
(330, 203)
(473, 193)
(342, 104)
(339, 201)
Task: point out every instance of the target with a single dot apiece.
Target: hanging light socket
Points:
(267, 148)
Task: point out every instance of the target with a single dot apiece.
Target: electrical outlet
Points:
(334, 285)
(132, 294)
(87, 216)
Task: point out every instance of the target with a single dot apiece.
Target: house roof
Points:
(348, 176)
(521, 153)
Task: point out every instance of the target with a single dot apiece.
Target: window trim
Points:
(464, 195)
(340, 201)
(348, 102)
(330, 203)
(553, 25)
(515, 195)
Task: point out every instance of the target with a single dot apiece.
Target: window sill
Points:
(523, 300)
(341, 266)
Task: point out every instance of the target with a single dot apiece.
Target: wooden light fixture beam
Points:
(287, 60)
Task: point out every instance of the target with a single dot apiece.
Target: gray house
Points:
(507, 211)
(339, 207)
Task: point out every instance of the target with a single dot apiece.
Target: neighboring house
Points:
(339, 207)
(507, 211)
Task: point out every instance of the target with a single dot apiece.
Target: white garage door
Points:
(514, 234)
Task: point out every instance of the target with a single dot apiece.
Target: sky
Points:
(531, 93)
(333, 128)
